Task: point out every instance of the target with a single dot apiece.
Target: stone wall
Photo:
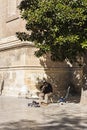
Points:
(10, 21)
(59, 74)
(21, 71)
(12, 60)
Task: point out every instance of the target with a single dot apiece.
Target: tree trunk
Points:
(84, 82)
(83, 97)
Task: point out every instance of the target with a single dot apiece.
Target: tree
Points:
(56, 26)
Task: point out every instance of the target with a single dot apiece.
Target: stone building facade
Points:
(20, 71)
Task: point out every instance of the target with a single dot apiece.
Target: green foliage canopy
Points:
(56, 26)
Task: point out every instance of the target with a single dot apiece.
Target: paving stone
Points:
(16, 115)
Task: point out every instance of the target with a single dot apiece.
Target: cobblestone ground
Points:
(16, 115)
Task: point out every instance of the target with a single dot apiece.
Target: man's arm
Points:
(42, 88)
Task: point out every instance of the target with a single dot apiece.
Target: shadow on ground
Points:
(67, 122)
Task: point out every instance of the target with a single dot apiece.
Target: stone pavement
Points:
(16, 115)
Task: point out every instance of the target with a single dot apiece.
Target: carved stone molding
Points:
(12, 42)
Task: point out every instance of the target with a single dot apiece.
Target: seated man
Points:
(45, 92)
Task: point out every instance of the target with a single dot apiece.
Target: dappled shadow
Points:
(67, 122)
(61, 76)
